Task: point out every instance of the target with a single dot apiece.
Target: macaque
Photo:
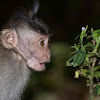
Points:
(24, 43)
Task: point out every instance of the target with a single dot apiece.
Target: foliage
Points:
(86, 58)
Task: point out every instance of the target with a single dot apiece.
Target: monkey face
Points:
(41, 53)
(32, 47)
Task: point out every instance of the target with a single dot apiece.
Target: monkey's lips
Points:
(40, 67)
(42, 64)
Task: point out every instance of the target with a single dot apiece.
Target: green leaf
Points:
(85, 71)
(97, 31)
(76, 47)
(97, 90)
(98, 53)
(89, 36)
(96, 68)
(97, 74)
(68, 62)
(88, 45)
(96, 35)
(72, 53)
(79, 57)
(87, 59)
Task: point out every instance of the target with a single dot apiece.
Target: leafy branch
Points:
(86, 56)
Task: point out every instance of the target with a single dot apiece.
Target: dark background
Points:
(65, 18)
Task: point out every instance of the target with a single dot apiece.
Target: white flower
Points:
(83, 28)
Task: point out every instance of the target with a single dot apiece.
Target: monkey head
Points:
(33, 48)
(28, 37)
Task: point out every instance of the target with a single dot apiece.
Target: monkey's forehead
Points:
(39, 26)
(26, 32)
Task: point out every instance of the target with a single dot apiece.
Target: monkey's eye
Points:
(41, 43)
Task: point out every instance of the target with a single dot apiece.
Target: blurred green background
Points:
(65, 18)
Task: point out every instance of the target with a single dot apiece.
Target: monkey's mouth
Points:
(36, 65)
(42, 64)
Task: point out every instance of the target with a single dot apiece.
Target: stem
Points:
(91, 88)
(91, 79)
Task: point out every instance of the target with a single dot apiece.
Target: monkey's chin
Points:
(35, 65)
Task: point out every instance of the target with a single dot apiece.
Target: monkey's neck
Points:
(13, 76)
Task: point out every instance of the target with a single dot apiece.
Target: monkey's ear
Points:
(9, 38)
